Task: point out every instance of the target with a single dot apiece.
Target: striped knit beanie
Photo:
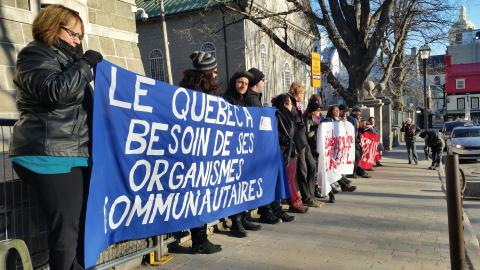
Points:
(203, 61)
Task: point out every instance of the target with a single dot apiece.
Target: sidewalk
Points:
(395, 220)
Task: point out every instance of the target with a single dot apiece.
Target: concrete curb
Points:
(472, 246)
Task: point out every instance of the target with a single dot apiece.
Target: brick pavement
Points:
(395, 220)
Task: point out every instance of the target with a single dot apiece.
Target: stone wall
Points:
(109, 28)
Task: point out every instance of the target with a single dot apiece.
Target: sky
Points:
(473, 14)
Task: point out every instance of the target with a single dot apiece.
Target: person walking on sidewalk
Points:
(51, 142)
(411, 131)
(202, 78)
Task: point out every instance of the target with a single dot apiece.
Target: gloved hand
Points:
(92, 57)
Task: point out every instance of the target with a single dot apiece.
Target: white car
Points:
(465, 141)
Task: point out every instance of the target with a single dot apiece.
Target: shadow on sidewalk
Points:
(381, 194)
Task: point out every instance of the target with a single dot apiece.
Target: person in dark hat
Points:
(202, 77)
(271, 213)
(235, 94)
(237, 87)
(253, 97)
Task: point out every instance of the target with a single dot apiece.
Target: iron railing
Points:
(21, 218)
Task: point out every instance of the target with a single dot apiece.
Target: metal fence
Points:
(21, 218)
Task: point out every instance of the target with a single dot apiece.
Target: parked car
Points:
(450, 125)
(465, 141)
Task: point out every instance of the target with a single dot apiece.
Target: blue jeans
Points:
(411, 151)
(436, 158)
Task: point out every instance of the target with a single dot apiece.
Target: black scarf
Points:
(74, 52)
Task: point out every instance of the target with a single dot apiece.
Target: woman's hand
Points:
(92, 57)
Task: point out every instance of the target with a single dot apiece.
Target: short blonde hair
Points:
(296, 88)
(49, 21)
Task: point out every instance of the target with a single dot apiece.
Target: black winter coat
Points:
(55, 103)
(253, 99)
(286, 132)
(300, 137)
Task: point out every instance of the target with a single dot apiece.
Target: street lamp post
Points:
(424, 55)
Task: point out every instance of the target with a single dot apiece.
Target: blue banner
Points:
(167, 159)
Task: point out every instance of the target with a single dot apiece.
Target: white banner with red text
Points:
(336, 149)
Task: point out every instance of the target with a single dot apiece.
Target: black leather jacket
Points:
(55, 103)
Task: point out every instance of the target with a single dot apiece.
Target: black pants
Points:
(199, 234)
(274, 208)
(357, 169)
(306, 173)
(62, 197)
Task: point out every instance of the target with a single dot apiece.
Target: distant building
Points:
(462, 66)
(237, 44)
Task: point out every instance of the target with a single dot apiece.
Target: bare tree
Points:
(413, 21)
(355, 29)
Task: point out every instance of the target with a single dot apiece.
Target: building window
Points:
(458, 38)
(264, 69)
(475, 104)
(157, 68)
(460, 83)
(209, 48)
(287, 77)
(460, 103)
(437, 80)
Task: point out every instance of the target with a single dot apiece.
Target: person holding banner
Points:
(202, 78)
(354, 119)
(306, 169)
(235, 94)
(50, 145)
(411, 131)
(333, 115)
(238, 86)
(271, 213)
(286, 132)
(312, 117)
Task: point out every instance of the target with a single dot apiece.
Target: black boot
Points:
(249, 225)
(200, 243)
(237, 229)
(331, 197)
(206, 247)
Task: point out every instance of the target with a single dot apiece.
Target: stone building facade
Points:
(109, 28)
(237, 44)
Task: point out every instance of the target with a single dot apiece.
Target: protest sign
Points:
(371, 154)
(336, 149)
(166, 159)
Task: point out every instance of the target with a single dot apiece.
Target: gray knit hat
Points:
(203, 61)
(356, 108)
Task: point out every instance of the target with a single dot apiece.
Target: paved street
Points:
(396, 220)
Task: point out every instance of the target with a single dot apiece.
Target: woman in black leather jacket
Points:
(50, 142)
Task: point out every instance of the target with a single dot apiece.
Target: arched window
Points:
(209, 48)
(157, 69)
(264, 69)
(287, 77)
